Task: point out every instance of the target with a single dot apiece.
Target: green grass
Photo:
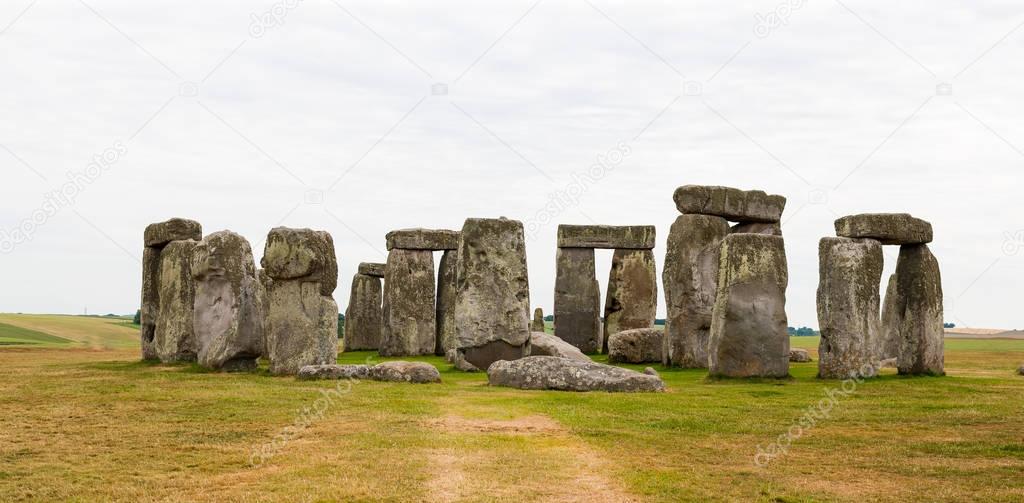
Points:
(11, 335)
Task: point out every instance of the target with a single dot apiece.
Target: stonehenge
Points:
(445, 308)
(553, 373)
(178, 343)
(363, 315)
(632, 297)
(638, 345)
(577, 299)
(537, 325)
(855, 337)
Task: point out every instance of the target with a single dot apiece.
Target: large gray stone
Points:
(545, 344)
(632, 297)
(423, 239)
(363, 318)
(399, 371)
(176, 229)
(492, 309)
(748, 326)
(690, 278)
(916, 315)
(848, 306)
(334, 371)
(889, 339)
(150, 309)
(175, 339)
(639, 345)
(606, 236)
(732, 204)
(409, 325)
(562, 374)
(771, 229)
(577, 299)
(372, 269)
(302, 255)
(799, 355)
(447, 287)
(537, 325)
(228, 318)
(889, 228)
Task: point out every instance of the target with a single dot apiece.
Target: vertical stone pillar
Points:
(175, 339)
(577, 299)
(409, 327)
(889, 340)
(363, 316)
(916, 312)
(848, 307)
(537, 325)
(156, 237)
(632, 298)
(445, 311)
(690, 278)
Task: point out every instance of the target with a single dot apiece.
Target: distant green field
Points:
(97, 332)
(11, 335)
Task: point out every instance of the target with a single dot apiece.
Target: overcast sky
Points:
(247, 115)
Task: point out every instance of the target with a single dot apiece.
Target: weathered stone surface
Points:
(372, 269)
(889, 340)
(545, 344)
(175, 339)
(632, 297)
(639, 345)
(176, 229)
(459, 361)
(363, 317)
(850, 271)
(150, 308)
(606, 236)
(334, 371)
(562, 374)
(447, 288)
(889, 228)
(423, 239)
(409, 325)
(799, 355)
(914, 316)
(577, 299)
(732, 204)
(492, 309)
(537, 325)
(771, 229)
(1020, 370)
(228, 319)
(748, 325)
(398, 371)
(302, 255)
(690, 278)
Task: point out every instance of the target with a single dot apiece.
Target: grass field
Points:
(89, 424)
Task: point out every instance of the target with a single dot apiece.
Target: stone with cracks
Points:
(748, 325)
(850, 271)
(889, 342)
(445, 308)
(771, 229)
(409, 326)
(639, 345)
(690, 278)
(577, 299)
(553, 373)
(606, 236)
(545, 344)
(632, 297)
(889, 228)
(399, 371)
(302, 255)
(150, 309)
(372, 269)
(176, 229)
(732, 204)
(422, 239)
(228, 319)
(492, 308)
(799, 355)
(537, 325)
(175, 339)
(915, 312)
(334, 371)
(363, 316)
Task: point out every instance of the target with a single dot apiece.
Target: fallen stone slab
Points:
(632, 297)
(606, 236)
(332, 371)
(423, 239)
(732, 204)
(889, 228)
(372, 269)
(640, 345)
(176, 229)
(850, 271)
(400, 371)
(577, 299)
(561, 374)
(544, 344)
(799, 355)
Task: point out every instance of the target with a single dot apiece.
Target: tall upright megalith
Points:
(848, 306)
(302, 322)
(175, 339)
(537, 325)
(577, 299)
(447, 287)
(748, 327)
(632, 298)
(364, 313)
(917, 315)
(492, 307)
(229, 317)
(155, 239)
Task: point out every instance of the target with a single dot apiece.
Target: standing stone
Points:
(917, 317)
(538, 321)
(632, 298)
(175, 338)
(363, 316)
(748, 326)
(155, 238)
(577, 299)
(691, 281)
(850, 271)
(409, 326)
(492, 309)
(445, 310)
(228, 319)
(889, 343)
(302, 323)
